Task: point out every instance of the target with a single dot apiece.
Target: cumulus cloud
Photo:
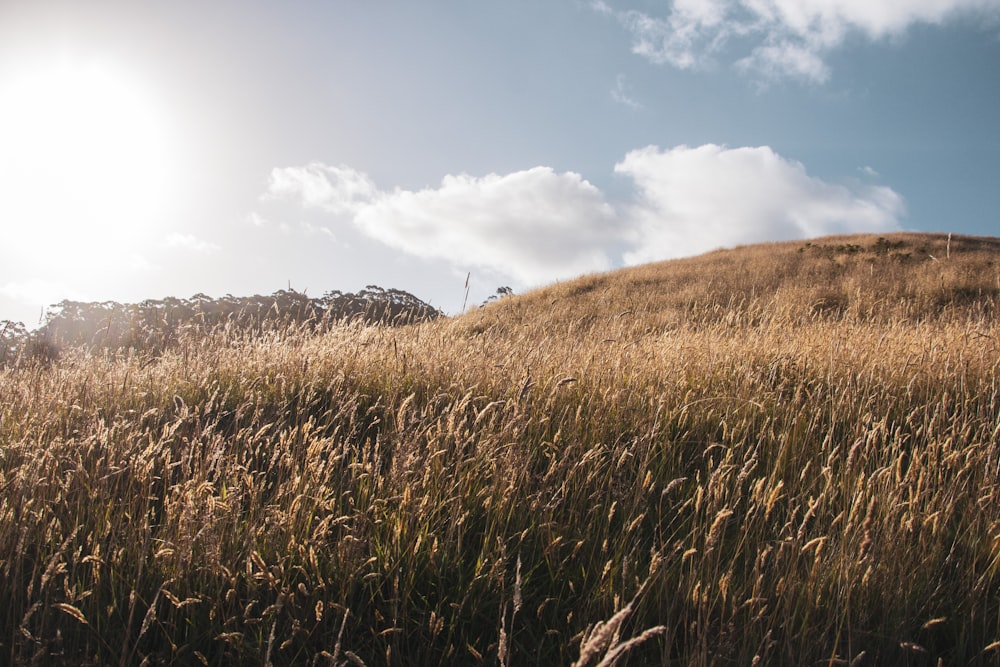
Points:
(690, 200)
(534, 226)
(787, 38)
(537, 226)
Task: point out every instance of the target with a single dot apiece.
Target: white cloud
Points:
(787, 38)
(339, 189)
(533, 226)
(691, 200)
(686, 38)
(786, 60)
(537, 225)
(192, 242)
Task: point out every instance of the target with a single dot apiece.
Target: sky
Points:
(155, 149)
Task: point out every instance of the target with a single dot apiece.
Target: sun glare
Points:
(84, 165)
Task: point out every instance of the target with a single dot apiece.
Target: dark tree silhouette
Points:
(500, 293)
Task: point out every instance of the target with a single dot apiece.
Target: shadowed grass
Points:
(776, 455)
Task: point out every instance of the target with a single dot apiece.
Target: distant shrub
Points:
(13, 336)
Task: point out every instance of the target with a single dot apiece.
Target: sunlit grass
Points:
(754, 457)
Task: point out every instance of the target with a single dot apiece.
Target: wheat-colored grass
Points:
(782, 454)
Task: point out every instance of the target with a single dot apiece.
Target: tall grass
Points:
(756, 457)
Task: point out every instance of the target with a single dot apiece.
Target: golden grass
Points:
(760, 456)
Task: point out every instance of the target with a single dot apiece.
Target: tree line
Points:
(156, 324)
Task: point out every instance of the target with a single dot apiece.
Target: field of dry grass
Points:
(781, 454)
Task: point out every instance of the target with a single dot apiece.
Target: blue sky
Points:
(164, 149)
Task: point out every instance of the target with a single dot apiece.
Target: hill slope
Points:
(778, 454)
(905, 275)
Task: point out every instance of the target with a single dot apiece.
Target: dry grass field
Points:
(779, 454)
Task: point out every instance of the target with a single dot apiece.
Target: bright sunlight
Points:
(84, 162)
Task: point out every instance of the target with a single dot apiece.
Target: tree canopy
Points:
(155, 324)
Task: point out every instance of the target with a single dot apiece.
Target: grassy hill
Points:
(779, 454)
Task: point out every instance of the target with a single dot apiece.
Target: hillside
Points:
(778, 454)
(899, 276)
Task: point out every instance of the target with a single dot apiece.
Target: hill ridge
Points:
(908, 275)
